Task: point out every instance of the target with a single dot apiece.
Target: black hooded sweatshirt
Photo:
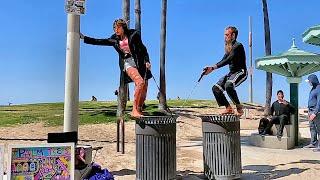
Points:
(138, 51)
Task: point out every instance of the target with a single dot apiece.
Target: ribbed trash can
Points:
(156, 148)
(221, 146)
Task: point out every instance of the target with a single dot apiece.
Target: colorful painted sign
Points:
(75, 6)
(1, 161)
(40, 162)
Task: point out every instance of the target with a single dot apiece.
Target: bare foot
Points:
(228, 110)
(136, 114)
(239, 110)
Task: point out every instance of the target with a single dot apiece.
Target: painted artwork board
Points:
(45, 161)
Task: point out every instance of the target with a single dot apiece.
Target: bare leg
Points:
(138, 92)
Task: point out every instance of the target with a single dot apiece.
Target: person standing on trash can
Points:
(133, 59)
(314, 111)
(236, 59)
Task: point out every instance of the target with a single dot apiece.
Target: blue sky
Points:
(33, 46)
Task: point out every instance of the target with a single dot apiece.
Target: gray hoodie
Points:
(314, 96)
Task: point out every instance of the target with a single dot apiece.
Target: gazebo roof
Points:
(312, 35)
(292, 63)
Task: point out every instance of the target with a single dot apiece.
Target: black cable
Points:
(167, 108)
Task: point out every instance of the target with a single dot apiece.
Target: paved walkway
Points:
(263, 163)
(257, 163)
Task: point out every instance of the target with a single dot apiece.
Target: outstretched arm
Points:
(94, 41)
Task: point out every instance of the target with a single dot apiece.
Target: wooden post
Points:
(251, 64)
(118, 135)
(123, 89)
(122, 134)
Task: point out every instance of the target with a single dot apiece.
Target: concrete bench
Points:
(272, 141)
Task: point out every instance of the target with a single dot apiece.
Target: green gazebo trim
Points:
(312, 35)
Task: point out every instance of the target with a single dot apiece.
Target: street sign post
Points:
(74, 9)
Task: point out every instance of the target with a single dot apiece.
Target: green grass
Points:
(51, 114)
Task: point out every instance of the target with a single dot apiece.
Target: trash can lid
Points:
(219, 117)
(157, 119)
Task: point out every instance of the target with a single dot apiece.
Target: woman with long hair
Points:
(134, 60)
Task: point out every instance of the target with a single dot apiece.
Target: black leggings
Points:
(282, 120)
(228, 83)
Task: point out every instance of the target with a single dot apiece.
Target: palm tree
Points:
(123, 89)
(267, 41)
(137, 19)
(138, 15)
(162, 98)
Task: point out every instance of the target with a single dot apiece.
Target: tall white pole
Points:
(251, 65)
(71, 99)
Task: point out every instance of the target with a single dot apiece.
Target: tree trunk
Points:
(163, 98)
(267, 40)
(123, 93)
(137, 19)
(123, 89)
(126, 10)
(138, 15)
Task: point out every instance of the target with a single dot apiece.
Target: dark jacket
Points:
(236, 58)
(278, 109)
(138, 51)
(314, 96)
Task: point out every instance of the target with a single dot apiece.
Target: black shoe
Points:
(316, 150)
(309, 146)
(279, 135)
(263, 133)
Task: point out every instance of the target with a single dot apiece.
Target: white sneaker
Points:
(309, 146)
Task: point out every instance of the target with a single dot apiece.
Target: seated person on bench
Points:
(280, 112)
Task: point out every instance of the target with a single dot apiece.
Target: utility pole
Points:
(251, 65)
(71, 98)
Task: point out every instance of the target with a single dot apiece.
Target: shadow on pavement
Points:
(190, 175)
(123, 172)
(268, 172)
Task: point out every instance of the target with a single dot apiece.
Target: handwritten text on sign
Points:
(37, 163)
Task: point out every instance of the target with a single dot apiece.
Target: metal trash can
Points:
(221, 146)
(156, 148)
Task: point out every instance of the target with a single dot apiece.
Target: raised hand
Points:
(285, 102)
(207, 70)
(148, 66)
(81, 35)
